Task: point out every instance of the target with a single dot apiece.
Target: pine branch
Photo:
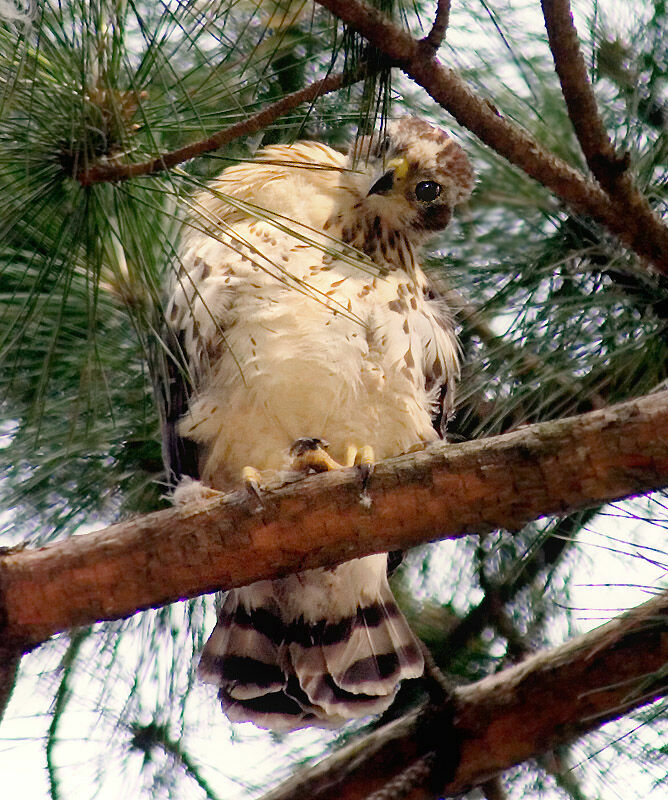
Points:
(102, 173)
(417, 59)
(436, 35)
(546, 701)
(62, 697)
(146, 738)
(609, 169)
(446, 491)
(578, 94)
(10, 659)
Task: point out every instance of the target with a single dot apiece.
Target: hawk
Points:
(313, 340)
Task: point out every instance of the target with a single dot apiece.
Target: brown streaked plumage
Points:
(303, 314)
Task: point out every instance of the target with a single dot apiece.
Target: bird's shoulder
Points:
(298, 183)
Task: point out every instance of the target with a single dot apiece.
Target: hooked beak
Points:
(398, 168)
(384, 184)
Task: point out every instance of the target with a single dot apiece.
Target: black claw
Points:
(255, 493)
(366, 471)
(307, 444)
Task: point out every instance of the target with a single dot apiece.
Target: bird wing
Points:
(212, 255)
(442, 378)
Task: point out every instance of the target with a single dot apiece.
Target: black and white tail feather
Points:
(283, 666)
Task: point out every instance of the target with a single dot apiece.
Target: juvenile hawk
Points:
(295, 339)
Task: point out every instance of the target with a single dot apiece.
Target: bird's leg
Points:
(365, 459)
(310, 453)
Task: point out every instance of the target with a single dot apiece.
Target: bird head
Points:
(411, 176)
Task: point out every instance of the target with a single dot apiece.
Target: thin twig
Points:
(543, 558)
(10, 660)
(440, 689)
(101, 173)
(609, 168)
(145, 738)
(555, 763)
(60, 701)
(436, 35)
(505, 137)
(416, 774)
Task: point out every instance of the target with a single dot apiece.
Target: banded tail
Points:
(318, 648)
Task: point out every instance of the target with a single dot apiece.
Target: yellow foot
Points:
(252, 480)
(363, 457)
(311, 454)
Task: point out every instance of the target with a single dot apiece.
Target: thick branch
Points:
(418, 61)
(101, 173)
(609, 169)
(546, 701)
(445, 491)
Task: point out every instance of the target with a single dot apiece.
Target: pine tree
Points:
(111, 114)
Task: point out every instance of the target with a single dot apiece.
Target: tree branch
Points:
(609, 169)
(436, 35)
(578, 94)
(445, 491)
(546, 701)
(418, 61)
(101, 173)
(10, 660)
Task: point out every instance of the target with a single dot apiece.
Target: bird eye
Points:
(426, 191)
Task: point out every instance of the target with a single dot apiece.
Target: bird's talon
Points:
(365, 460)
(307, 444)
(351, 456)
(309, 453)
(252, 482)
(366, 470)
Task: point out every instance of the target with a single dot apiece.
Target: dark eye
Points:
(426, 191)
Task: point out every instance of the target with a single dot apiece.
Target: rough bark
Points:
(445, 491)
(609, 168)
(546, 701)
(436, 35)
